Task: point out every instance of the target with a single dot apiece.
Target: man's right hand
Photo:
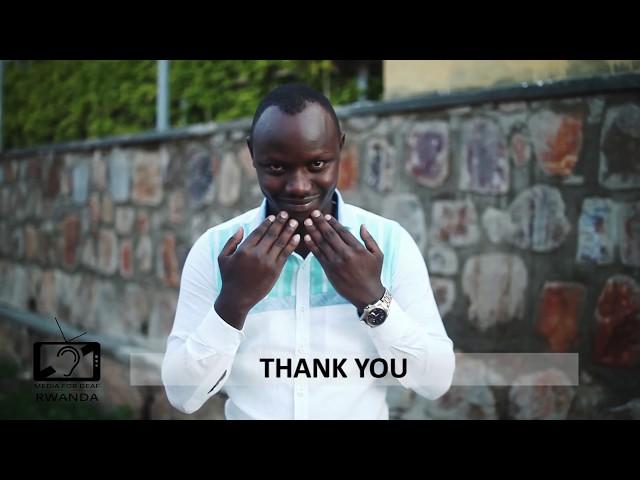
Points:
(250, 271)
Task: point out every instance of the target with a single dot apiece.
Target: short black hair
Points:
(292, 98)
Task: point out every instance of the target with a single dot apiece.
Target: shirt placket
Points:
(303, 317)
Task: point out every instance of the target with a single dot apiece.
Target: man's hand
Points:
(353, 270)
(250, 271)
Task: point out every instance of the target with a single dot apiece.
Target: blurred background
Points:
(518, 179)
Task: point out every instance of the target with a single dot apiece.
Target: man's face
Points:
(297, 159)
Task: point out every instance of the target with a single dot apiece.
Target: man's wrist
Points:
(230, 312)
(361, 306)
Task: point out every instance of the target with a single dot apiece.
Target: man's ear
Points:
(342, 139)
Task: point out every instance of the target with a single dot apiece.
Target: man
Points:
(290, 306)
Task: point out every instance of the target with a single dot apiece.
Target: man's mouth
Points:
(297, 204)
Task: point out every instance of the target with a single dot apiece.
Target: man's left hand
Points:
(353, 270)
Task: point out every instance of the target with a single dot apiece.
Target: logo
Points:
(66, 361)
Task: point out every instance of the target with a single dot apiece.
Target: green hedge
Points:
(55, 101)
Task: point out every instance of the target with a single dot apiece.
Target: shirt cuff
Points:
(397, 325)
(216, 334)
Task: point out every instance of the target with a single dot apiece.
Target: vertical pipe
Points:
(162, 104)
(363, 82)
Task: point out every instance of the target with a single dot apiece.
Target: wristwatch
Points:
(375, 314)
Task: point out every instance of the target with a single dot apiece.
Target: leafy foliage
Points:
(55, 101)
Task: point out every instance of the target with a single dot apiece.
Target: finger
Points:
(313, 248)
(369, 242)
(232, 243)
(289, 248)
(318, 239)
(273, 232)
(327, 231)
(283, 239)
(344, 233)
(255, 236)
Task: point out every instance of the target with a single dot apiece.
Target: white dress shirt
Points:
(303, 317)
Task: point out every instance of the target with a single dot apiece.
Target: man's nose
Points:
(298, 185)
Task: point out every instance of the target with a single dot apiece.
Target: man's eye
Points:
(272, 168)
(318, 164)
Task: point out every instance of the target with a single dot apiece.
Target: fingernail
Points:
(315, 213)
(327, 217)
(308, 222)
(307, 238)
(296, 238)
(284, 215)
(271, 218)
(293, 223)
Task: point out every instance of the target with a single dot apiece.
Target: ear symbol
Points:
(72, 351)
